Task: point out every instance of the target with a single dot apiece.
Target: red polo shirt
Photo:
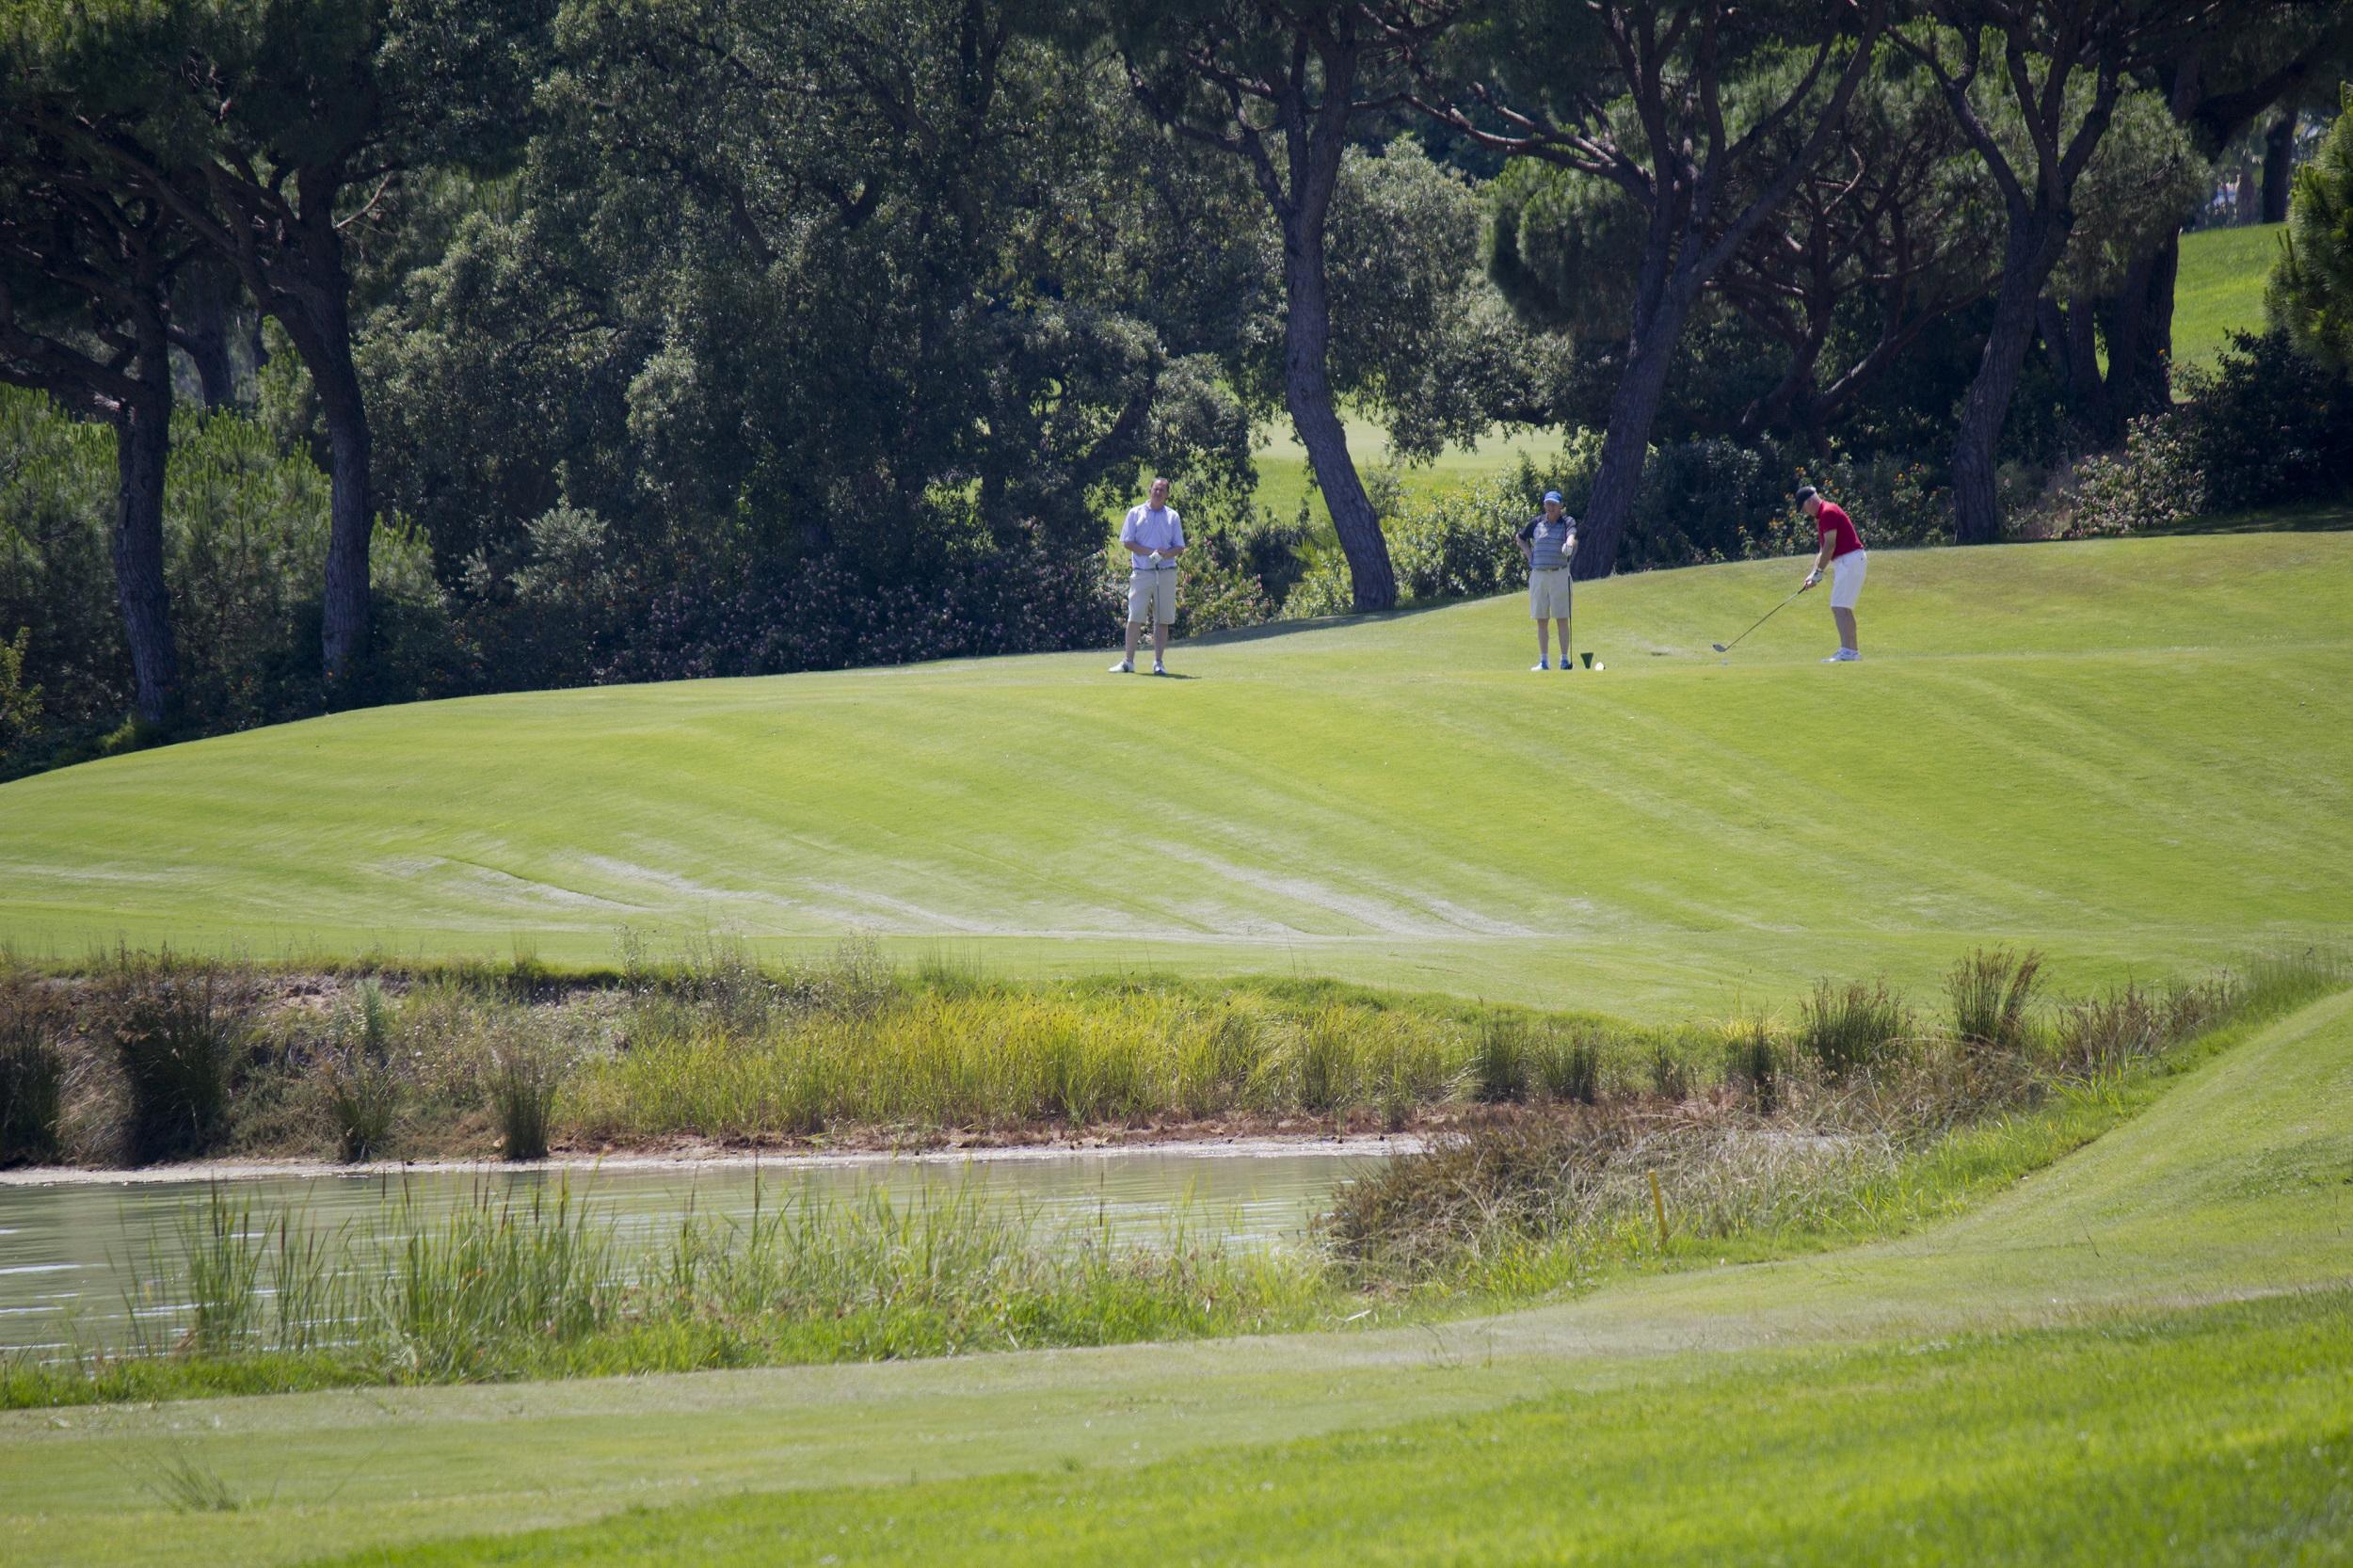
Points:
(1834, 520)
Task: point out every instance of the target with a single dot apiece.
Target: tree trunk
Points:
(1307, 392)
(1634, 406)
(343, 627)
(203, 311)
(2138, 323)
(2279, 167)
(2031, 252)
(142, 450)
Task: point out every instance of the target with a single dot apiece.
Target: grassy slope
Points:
(2137, 754)
(2231, 1184)
(2220, 288)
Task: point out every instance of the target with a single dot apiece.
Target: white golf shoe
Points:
(1843, 656)
(1123, 667)
(1540, 665)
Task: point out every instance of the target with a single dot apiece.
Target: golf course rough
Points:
(2135, 755)
(2142, 1353)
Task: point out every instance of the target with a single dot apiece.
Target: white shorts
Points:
(1846, 578)
(1548, 594)
(1152, 598)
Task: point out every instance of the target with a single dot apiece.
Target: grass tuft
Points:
(178, 1027)
(1993, 992)
(1844, 1028)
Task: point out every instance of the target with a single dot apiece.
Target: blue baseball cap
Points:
(1552, 497)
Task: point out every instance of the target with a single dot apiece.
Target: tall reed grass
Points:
(540, 1284)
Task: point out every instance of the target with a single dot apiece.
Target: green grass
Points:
(2215, 1436)
(1286, 479)
(1720, 1385)
(2135, 755)
(2219, 289)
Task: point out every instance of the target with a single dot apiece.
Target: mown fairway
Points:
(2137, 755)
(2080, 1370)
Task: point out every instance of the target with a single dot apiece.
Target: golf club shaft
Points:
(1762, 620)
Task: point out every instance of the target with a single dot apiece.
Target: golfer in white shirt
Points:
(1153, 536)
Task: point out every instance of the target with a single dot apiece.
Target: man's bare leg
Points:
(1159, 641)
(1846, 629)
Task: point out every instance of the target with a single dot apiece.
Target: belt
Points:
(1164, 565)
(1563, 566)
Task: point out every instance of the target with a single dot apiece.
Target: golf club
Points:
(1727, 647)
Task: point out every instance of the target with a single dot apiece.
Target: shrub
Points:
(179, 1027)
(1993, 993)
(1704, 501)
(1525, 1178)
(2266, 427)
(1461, 544)
(2150, 485)
(1844, 1028)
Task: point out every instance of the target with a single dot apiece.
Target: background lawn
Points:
(2219, 289)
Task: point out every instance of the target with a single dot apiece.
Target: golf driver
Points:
(1727, 647)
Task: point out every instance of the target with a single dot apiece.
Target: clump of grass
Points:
(522, 1081)
(1752, 1062)
(1993, 992)
(363, 1086)
(1670, 1073)
(1500, 1061)
(1568, 1066)
(32, 1073)
(1844, 1028)
(178, 1027)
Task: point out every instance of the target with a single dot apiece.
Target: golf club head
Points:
(1588, 660)
(1720, 648)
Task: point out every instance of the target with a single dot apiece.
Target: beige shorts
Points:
(1548, 594)
(1152, 598)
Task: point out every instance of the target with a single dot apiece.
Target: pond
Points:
(74, 1254)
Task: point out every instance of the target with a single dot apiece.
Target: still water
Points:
(73, 1251)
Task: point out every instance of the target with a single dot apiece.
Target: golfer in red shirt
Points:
(1842, 552)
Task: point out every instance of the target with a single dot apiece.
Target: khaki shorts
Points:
(1548, 594)
(1152, 598)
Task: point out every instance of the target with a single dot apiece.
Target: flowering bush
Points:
(2150, 484)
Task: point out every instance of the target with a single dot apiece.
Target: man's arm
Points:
(1821, 559)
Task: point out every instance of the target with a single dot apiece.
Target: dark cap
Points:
(1806, 493)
